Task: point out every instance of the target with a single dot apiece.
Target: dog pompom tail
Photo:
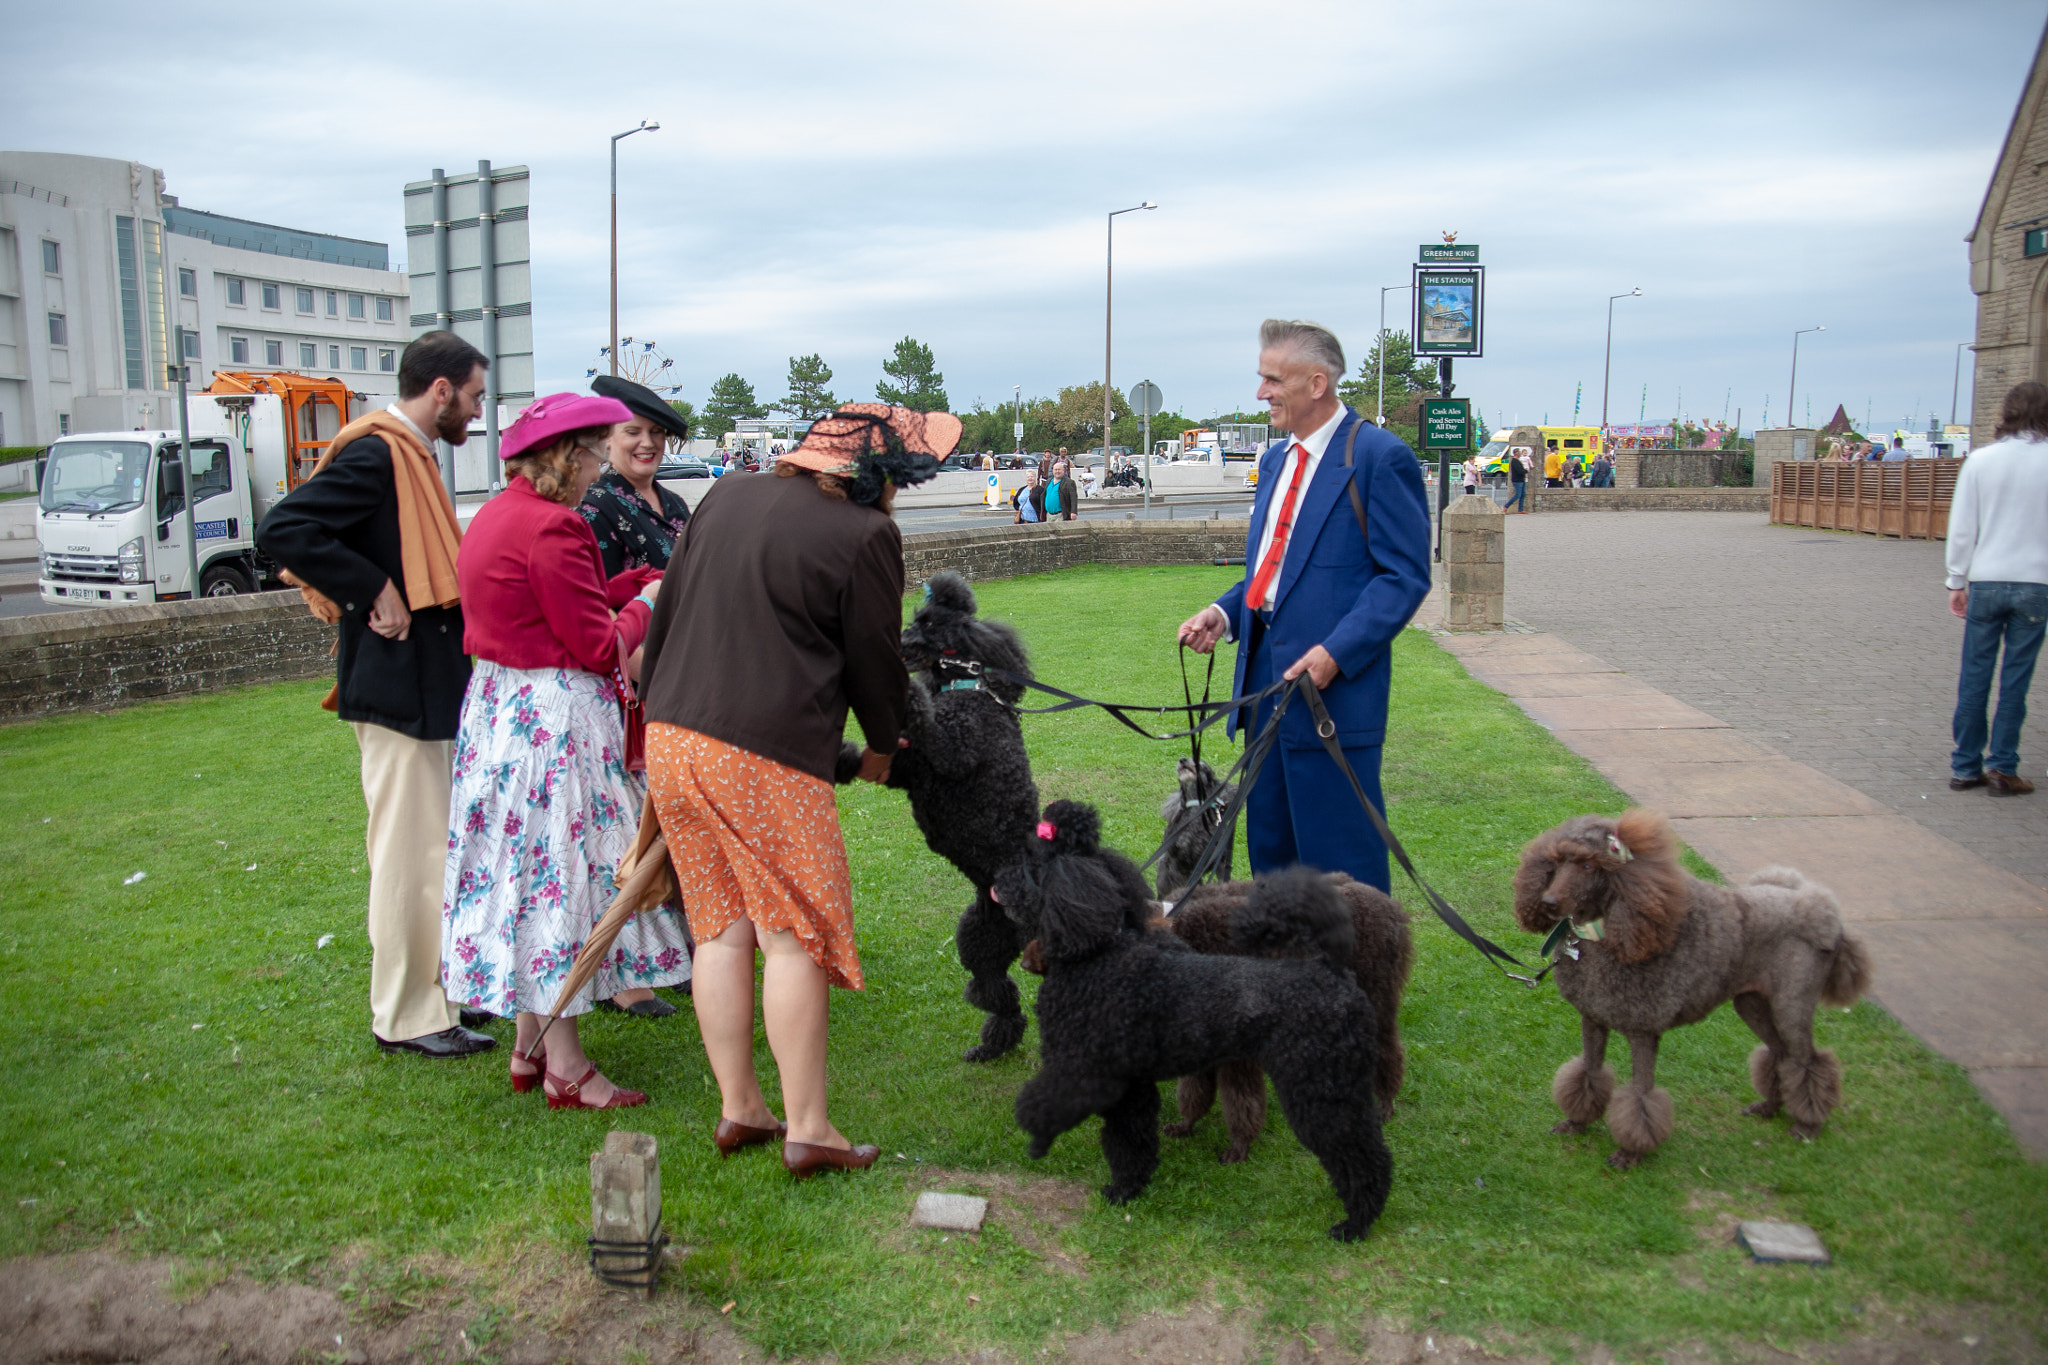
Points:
(1849, 974)
(948, 591)
(1296, 913)
(847, 766)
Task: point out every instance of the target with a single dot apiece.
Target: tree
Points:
(731, 399)
(687, 410)
(1406, 376)
(808, 398)
(919, 385)
(1077, 415)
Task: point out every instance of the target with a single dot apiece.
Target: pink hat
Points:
(548, 419)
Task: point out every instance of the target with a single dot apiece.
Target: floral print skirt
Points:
(542, 811)
(749, 836)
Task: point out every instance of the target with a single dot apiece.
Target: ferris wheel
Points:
(640, 361)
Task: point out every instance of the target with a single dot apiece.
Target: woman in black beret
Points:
(637, 521)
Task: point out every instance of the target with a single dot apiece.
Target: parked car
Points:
(682, 467)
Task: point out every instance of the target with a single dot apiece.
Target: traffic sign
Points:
(1017, 430)
(1447, 423)
(1146, 399)
(1461, 253)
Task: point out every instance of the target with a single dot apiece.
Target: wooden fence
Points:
(1908, 499)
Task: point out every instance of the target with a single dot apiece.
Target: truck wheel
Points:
(223, 580)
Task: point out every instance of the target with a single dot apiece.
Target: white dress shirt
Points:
(399, 413)
(1315, 443)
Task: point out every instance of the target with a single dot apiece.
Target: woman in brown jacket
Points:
(781, 611)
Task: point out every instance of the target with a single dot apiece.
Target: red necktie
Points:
(1269, 567)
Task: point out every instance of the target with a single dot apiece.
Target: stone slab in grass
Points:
(954, 1212)
(1794, 1242)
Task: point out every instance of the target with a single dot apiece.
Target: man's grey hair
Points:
(1311, 342)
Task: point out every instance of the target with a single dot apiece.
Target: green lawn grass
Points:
(189, 1073)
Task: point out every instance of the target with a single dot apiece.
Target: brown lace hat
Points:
(869, 433)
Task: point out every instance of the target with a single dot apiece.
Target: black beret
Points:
(643, 401)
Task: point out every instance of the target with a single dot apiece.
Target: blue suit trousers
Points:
(1301, 809)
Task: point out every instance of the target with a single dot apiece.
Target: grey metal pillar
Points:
(177, 373)
(444, 310)
(487, 261)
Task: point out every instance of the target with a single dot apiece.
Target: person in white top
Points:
(1998, 584)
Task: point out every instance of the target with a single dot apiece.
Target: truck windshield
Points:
(94, 476)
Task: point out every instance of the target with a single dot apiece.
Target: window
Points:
(273, 353)
(359, 357)
(212, 472)
(355, 305)
(387, 360)
(52, 258)
(188, 283)
(270, 297)
(235, 292)
(309, 355)
(305, 300)
(334, 357)
(57, 332)
(191, 343)
(333, 304)
(383, 310)
(238, 350)
(63, 424)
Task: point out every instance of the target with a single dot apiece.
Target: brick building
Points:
(2009, 258)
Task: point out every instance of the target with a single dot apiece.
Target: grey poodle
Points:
(1382, 952)
(1193, 814)
(1669, 949)
(1126, 1005)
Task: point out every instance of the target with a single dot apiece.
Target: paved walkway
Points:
(1784, 696)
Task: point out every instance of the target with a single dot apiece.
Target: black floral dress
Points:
(629, 534)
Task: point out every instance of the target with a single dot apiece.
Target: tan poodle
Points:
(1656, 948)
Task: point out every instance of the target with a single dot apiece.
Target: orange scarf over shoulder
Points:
(428, 533)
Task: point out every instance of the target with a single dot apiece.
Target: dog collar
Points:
(962, 685)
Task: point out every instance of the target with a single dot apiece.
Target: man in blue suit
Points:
(1324, 597)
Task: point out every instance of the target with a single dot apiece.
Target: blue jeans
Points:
(1521, 496)
(2016, 615)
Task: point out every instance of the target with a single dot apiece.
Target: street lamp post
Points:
(1792, 389)
(1108, 294)
(1607, 366)
(646, 126)
(1380, 345)
(1017, 418)
(1957, 391)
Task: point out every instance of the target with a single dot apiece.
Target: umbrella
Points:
(645, 879)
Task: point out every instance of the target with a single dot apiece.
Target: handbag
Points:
(631, 712)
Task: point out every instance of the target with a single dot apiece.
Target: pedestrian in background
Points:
(371, 540)
(1897, 454)
(782, 615)
(1553, 466)
(1518, 478)
(1603, 471)
(1998, 583)
(543, 808)
(1472, 475)
(1029, 500)
(1060, 493)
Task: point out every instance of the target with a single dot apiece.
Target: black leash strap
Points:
(1244, 772)
(1122, 711)
(1326, 731)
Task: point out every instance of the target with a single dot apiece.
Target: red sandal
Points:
(522, 1084)
(569, 1094)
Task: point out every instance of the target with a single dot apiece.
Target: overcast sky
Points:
(832, 177)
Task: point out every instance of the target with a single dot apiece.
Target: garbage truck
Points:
(110, 513)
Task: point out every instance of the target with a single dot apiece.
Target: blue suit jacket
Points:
(1338, 590)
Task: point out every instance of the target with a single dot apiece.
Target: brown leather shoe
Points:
(803, 1160)
(731, 1136)
(2006, 784)
(1963, 784)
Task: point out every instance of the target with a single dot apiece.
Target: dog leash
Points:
(1121, 711)
(1326, 731)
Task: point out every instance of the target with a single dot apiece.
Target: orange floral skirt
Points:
(751, 837)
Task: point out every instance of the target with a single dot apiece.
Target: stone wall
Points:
(2011, 286)
(1681, 468)
(111, 656)
(1650, 499)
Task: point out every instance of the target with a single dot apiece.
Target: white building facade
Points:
(105, 280)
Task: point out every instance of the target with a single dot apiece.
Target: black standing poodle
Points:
(1126, 1005)
(969, 782)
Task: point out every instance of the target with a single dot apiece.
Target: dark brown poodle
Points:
(1657, 948)
(1381, 955)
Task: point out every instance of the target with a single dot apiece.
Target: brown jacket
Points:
(781, 609)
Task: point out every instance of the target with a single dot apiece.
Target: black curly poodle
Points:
(1126, 1005)
(969, 781)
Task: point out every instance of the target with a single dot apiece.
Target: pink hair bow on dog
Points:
(1046, 830)
(1619, 849)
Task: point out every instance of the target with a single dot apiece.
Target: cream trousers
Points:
(405, 784)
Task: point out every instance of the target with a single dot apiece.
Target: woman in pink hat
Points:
(543, 805)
